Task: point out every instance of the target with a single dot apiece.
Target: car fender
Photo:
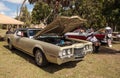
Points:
(39, 47)
(48, 57)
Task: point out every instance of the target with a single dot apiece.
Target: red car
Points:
(98, 34)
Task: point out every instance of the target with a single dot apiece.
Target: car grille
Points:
(78, 52)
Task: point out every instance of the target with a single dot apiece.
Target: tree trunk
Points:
(115, 28)
(21, 9)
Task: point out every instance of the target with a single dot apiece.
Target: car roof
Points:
(29, 29)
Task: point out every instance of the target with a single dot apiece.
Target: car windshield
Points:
(33, 32)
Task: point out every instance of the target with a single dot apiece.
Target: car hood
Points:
(61, 25)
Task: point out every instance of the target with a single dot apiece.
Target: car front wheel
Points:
(40, 58)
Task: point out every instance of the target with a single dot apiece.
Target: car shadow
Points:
(51, 68)
(107, 50)
(21, 54)
(1, 38)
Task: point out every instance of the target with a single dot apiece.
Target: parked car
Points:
(116, 36)
(50, 44)
(98, 34)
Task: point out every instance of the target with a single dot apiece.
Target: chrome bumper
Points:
(79, 54)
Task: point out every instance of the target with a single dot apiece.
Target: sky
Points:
(12, 7)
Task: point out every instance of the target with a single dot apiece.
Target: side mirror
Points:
(20, 34)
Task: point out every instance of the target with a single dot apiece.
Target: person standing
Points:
(108, 35)
(9, 31)
(95, 41)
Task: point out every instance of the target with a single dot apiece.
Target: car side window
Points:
(25, 33)
(22, 33)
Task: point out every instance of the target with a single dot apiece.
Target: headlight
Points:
(86, 47)
(69, 51)
(65, 53)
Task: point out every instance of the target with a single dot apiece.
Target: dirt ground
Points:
(105, 64)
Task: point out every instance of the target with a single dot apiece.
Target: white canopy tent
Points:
(8, 20)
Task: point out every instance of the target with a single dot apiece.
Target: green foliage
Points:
(90, 10)
(98, 13)
(40, 11)
(111, 11)
(26, 17)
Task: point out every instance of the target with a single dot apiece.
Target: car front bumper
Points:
(78, 55)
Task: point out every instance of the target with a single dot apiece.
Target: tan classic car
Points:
(50, 44)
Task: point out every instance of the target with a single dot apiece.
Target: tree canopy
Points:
(25, 16)
(98, 13)
(40, 12)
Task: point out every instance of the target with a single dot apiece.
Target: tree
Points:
(111, 11)
(54, 4)
(21, 9)
(40, 12)
(90, 10)
(97, 12)
(25, 16)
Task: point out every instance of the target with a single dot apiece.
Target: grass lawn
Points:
(105, 64)
(2, 32)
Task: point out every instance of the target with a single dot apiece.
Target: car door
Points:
(24, 42)
(18, 38)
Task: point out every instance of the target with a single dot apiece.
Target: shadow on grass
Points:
(1, 38)
(51, 68)
(107, 50)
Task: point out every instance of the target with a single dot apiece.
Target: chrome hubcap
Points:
(38, 57)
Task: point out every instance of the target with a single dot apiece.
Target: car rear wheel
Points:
(10, 45)
(40, 58)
